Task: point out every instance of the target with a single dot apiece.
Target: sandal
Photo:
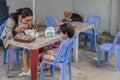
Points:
(27, 73)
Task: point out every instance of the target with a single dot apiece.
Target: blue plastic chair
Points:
(6, 51)
(96, 20)
(50, 21)
(16, 53)
(2, 28)
(110, 47)
(65, 50)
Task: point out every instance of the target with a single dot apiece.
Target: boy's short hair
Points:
(67, 28)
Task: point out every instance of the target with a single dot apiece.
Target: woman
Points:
(17, 22)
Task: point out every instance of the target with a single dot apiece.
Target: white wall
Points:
(52, 7)
(107, 9)
(114, 17)
(15, 4)
(43, 7)
(118, 14)
(100, 7)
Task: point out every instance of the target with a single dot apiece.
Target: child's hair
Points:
(24, 12)
(67, 28)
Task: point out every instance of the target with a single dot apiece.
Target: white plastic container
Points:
(50, 32)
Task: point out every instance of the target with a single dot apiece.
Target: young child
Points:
(66, 32)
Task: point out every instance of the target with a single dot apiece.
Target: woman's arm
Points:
(8, 31)
(11, 30)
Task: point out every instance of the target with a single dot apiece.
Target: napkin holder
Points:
(50, 32)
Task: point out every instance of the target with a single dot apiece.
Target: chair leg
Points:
(106, 56)
(70, 72)
(118, 60)
(92, 43)
(17, 56)
(11, 56)
(86, 40)
(96, 39)
(5, 55)
(41, 72)
(52, 70)
(99, 57)
(63, 71)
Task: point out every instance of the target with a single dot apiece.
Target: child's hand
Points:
(36, 23)
(50, 52)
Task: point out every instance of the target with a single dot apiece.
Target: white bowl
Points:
(29, 31)
(34, 34)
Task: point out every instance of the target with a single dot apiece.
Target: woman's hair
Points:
(24, 12)
(67, 28)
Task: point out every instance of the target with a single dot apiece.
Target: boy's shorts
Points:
(52, 57)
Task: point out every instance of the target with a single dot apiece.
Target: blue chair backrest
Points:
(50, 21)
(93, 19)
(2, 27)
(65, 51)
(115, 41)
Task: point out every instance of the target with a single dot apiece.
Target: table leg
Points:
(75, 49)
(33, 60)
(9, 59)
(95, 40)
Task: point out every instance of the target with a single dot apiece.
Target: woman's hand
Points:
(21, 27)
(36, 23)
